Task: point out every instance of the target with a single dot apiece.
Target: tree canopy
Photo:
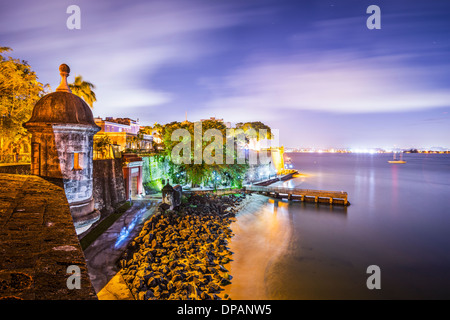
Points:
(260, 130)
(214, 147)
(19, 92)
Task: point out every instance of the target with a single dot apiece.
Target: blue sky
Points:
(311, 69)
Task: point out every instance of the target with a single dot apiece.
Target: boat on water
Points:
(395, 160)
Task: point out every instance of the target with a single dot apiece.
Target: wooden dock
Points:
(306, 195)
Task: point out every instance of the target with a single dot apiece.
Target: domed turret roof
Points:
(62, 106)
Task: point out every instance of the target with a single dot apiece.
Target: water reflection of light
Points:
(275, 207)
(289, 184)
(394, 178)
(260, 239)
(358, 183)
(372, 188)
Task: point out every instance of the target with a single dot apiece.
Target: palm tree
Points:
(83, 89)
(102, 144)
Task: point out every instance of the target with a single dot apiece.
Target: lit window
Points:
(77, 157)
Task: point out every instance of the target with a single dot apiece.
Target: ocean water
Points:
(398, 220)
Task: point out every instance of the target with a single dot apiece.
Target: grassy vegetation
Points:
(103, 225)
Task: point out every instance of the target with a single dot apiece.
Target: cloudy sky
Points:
(311, 69)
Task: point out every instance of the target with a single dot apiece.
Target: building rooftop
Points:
(124, 121)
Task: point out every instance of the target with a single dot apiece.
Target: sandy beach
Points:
(261, 234)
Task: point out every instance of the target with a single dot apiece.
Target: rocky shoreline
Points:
(180, 254)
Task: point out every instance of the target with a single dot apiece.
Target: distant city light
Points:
(368, 150)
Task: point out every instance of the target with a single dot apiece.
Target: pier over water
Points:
(306, 195)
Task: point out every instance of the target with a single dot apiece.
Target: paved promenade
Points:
(103, 253)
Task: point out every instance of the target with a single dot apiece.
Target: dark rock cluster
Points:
(180, 254)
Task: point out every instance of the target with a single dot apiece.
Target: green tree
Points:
(261, 130)
(19, 92)
(84, 90)
(213, 173)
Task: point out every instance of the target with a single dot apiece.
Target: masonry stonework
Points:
(62, 128)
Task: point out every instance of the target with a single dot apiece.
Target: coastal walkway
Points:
(307, 195)
(102, 255)
(283, 177)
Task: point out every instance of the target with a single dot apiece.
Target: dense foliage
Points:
(19, 91)
(214, 174)
(255, 129)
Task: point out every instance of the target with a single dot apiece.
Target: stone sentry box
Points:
(172, 195)
(62, 128)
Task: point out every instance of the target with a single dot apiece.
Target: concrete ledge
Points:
(38, 242)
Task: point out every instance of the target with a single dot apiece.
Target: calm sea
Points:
(399, 220)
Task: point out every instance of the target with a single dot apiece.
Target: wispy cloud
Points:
(120, 47)
(336, 84)
(339, 67)
(296, 64)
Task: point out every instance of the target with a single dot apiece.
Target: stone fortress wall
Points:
(38, 241)
(109, 185)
